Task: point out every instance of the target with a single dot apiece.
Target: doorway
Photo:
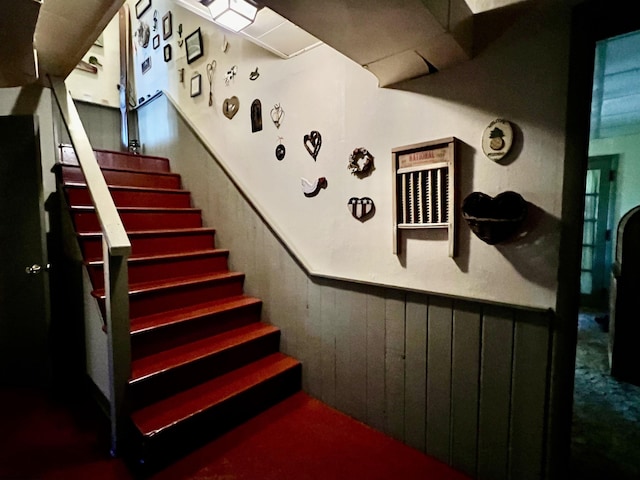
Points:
(606, 412)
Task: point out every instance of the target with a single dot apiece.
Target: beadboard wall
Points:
(462, 380)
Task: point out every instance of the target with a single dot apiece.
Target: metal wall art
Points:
(193, 46)
(313, 142)
(254, 75)
(494, 219)
(311, 189)
(230, 107)
(497, 139)
(256, 116)
(277, 115)
(211, 68)
(280, 150)
(155, 20)
(180, 39)
(361, 208)
(424, 188)
(196, 85)
(230, 75)
(361, 163)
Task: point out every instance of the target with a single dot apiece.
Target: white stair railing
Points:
(116, 249)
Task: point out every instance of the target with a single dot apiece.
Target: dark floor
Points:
(606, 417)
(47, 437)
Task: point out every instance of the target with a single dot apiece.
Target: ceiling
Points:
(615, 108)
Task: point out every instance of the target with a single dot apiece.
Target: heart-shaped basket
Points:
(494, 219)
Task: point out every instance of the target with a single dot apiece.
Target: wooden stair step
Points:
(128, 196)
(173, 370)
(110, 158)
(192, 405)
(167, 329)
(124, 177)
(165, 266)
(140, 218)
(149, 242)
(164, 295)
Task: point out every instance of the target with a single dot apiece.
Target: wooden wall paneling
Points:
(376, 337)
(439, 378)
(394, 363)
(102, 125)
(328, 356)
(529, 394)
(312, 360)
(495, 393)
(465, 385)
(416, 370)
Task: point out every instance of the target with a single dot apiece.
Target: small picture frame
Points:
(142, 6)
(193, 46)
(167, 52)
(196, 85)
(146, 65)
(167, 26)
(156, 41)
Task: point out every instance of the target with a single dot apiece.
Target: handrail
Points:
(116, 249)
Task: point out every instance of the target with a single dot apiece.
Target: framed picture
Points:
(167, 28)
(146, 65)
(142, 6)
(156, 41)
(167, 52)
(193, 46)
(196, 85)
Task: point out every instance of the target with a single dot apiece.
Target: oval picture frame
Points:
(497, 139)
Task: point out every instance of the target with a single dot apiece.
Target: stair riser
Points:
(118, 160)
(153, 341)
(150, 303)
(139, 221)
(81, 197)
(176, 380)
(205, 426)
(153, 245)
(156, 270)
(72, 174)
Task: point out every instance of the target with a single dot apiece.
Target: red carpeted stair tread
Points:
(152, 233)
(159, 416)
(145, 367)
(156, 321)
(178, 210)
(169, 256)
(153, 286)
(132, 171)
(108, 158)
(133, 188)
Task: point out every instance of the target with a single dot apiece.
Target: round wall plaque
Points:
(497, 139)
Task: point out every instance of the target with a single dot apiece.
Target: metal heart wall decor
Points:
(313, 142)
(361, 208)
(277, 115)
(230, 107)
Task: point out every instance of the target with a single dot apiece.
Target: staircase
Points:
(202, 361)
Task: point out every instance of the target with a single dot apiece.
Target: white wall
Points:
(628, 177)
(101, 87)
(521, 76)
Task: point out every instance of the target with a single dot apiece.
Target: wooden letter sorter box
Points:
(425, 189)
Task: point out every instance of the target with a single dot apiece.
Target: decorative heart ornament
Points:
(230, 107)
(494, 220)
(361, 208)
(313, 142)
(277, 115)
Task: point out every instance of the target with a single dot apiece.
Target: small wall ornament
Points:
(230, 107)
(311, 189)
(361, 163)
(313, 142)
(277, 115)
(494, 219)
(497, 139)
(361, 208)
(280, 150)
(256, 116)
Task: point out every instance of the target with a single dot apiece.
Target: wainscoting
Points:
(464, 381)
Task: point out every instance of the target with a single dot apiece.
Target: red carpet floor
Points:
(297, 439)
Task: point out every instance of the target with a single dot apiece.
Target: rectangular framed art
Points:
(193, 46)
(142, 6)
(196, 85)
(167, 28)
